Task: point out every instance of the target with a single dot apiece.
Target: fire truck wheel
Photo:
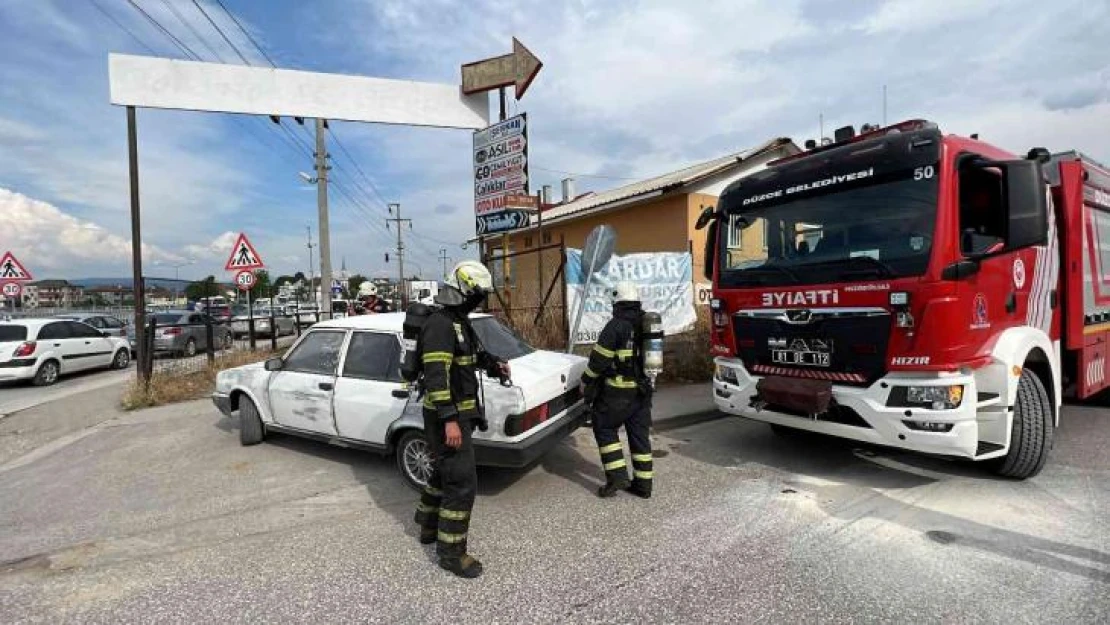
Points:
(1033, 427)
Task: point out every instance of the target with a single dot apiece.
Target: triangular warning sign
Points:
(243, 255)
(13, 270)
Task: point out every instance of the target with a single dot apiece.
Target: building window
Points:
(735, 233)
(546, 238)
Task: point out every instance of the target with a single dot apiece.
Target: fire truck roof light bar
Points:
(843, 137)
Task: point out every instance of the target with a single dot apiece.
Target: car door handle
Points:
(401, 393)
(57, 344)
(326, 386)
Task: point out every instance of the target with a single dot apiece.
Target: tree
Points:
(204, 288)
(262, 284)
(353, 283)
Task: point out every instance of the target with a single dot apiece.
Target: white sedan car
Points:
(41, 350)
(341, 383)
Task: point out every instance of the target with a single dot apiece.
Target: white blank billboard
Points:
(194, 86)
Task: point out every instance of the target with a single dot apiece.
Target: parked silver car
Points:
(107, 324)
(184, 333)
(282, 325)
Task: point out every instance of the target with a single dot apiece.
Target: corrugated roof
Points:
(659, 183)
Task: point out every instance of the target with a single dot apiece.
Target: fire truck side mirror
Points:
(1026, 204)
(706, 216)
(710, 250)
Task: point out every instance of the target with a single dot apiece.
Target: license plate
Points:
(798, 358)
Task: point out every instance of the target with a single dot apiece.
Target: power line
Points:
(249, 37)
(196, 33)
(122, 27)
(220, 30)
(343, 149)
(177, 42)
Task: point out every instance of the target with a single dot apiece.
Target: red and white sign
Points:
(245, 280)
(12, 270)
(243, 255)
(500, 164)
(11, 290)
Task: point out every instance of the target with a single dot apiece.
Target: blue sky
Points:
(629, 89)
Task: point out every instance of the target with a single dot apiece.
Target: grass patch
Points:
(170, 387)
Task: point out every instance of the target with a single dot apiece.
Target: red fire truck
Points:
(914, 290)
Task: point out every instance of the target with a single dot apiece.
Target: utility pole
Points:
(444, 257)
(311, 266)
(322, 207)
(400, 248)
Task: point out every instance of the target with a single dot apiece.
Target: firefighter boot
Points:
(464, 566)
(612, 487)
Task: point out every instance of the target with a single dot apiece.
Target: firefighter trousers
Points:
(635, 415)
(447, 500)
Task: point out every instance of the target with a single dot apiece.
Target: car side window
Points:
(54, 332)
(80, 330)
(96, 322)
(373, 356)
(317, 353)
(111, 322)
(196, 319)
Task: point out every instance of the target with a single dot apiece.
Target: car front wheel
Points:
(251, 430)
(122, 359)
(414, 459)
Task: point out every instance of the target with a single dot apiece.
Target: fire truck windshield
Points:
(862, 224)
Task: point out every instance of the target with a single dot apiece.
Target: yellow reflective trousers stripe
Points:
(610, 448)
(620, 382)
(590, 373)
(616, 464)
(445, 537)
(463, 361)
(640, 475)
(641, 457)
(467, 404)
(439, 396)
(454, 515)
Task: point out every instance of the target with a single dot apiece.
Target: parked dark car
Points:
(184, 333)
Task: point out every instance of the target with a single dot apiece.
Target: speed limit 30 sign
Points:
(11, 289)
(244, 280)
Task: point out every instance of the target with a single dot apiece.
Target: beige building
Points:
(653, 215)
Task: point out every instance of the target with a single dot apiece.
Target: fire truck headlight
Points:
(727, 375)
(935, 397)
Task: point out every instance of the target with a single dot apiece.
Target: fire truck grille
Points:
(844, 346)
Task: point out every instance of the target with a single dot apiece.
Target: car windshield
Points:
(12, 333)
(499, 340)
(879, 224)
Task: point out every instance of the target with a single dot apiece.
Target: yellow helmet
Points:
(470, 277)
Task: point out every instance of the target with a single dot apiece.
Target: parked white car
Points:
(41, 350)
(341, 383)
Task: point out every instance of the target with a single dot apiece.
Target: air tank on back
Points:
(652, 330)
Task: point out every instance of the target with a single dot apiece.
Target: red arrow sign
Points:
(518, 68)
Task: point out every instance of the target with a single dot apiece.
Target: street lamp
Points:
(176, 272)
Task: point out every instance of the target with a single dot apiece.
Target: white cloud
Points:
(51, 242)
(915, 15)
(219, 247)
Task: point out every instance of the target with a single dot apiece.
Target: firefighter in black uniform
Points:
(452, 355)
(615, 386)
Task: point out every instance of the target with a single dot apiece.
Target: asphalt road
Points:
(162, 516)
(16, 396)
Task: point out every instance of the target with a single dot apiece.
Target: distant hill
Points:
(126, 282)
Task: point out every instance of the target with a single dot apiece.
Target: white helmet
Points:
(471, 276)
(367, 289)
(626, 291)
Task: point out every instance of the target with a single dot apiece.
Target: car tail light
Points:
(520, 423)
(171, 331)
(25, 350)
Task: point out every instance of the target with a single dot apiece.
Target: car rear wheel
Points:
(251, 430)
(47, 373)
(1032, 430)
(122, 359)
(229, 341)
(190, 348)
(414, 459)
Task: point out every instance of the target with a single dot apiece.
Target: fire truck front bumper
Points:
(932, 413)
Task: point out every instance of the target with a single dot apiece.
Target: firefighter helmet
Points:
(626, 291)
(471, 277)
(367, 289)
